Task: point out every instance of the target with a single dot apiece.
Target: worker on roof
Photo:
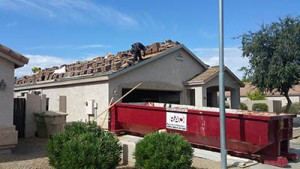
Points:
(136, 49)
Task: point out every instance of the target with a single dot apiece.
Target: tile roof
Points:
(209, 74)
(96, 67)
(14, 55)
(295, 91)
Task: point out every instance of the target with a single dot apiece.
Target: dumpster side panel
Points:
(253, 134)
(203, 128)
(139, 120)
(243, 135)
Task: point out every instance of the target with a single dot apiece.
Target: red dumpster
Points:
(256, 135)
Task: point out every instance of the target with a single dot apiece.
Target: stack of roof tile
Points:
(99, 65)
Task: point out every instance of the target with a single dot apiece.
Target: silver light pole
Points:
(221, 88)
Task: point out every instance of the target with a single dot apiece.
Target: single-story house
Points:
(9, 61)
(169, 73)
(294, 94)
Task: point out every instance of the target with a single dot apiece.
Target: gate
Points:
(19, 115)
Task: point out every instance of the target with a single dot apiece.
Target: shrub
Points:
(163, 151)
(260, 107)
(295, 108)
(256, 95)
(243, 106)
(84, 145)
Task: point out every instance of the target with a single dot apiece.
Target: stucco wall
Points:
(167, 73)
(34, 104)
(294, 99)
(6, 95)
(273, 105)
(76, 97)
(228, 81)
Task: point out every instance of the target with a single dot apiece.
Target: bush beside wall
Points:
(260, 107)
(295, 108)
(243, 106)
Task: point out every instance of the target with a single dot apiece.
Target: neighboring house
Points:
(9, 61)
(170, 74)
(294, 94)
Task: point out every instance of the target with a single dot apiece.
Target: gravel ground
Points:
(30, 153)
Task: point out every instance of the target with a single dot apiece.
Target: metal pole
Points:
(221, 88)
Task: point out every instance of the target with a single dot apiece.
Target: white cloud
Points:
(232, 57)
(79, 11)
(93, 46)
(43, 62)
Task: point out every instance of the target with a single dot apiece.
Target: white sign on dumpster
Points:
(176, 121)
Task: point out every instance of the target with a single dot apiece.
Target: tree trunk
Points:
(289, 102)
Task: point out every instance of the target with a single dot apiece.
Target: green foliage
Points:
(35, 69)
(84, 145)
(163, 151)
(256, 95)
(274, 56)
(295, 108)
(260, 107)
(243, 106)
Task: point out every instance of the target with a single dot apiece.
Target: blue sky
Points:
(54, 32)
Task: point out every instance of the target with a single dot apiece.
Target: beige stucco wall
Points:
(167, 73)
(76, 97)
(294, 99)
(273, 105)
(6, 95)
(229, 81)
(34, 104)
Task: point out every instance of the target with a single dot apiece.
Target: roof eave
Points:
(56, 83)
(16, 58)
(194, 83)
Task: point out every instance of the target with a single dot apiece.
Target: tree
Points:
(274, 56)
(35, 69)
(256, 95)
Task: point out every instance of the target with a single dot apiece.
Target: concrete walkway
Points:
(211, 160)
